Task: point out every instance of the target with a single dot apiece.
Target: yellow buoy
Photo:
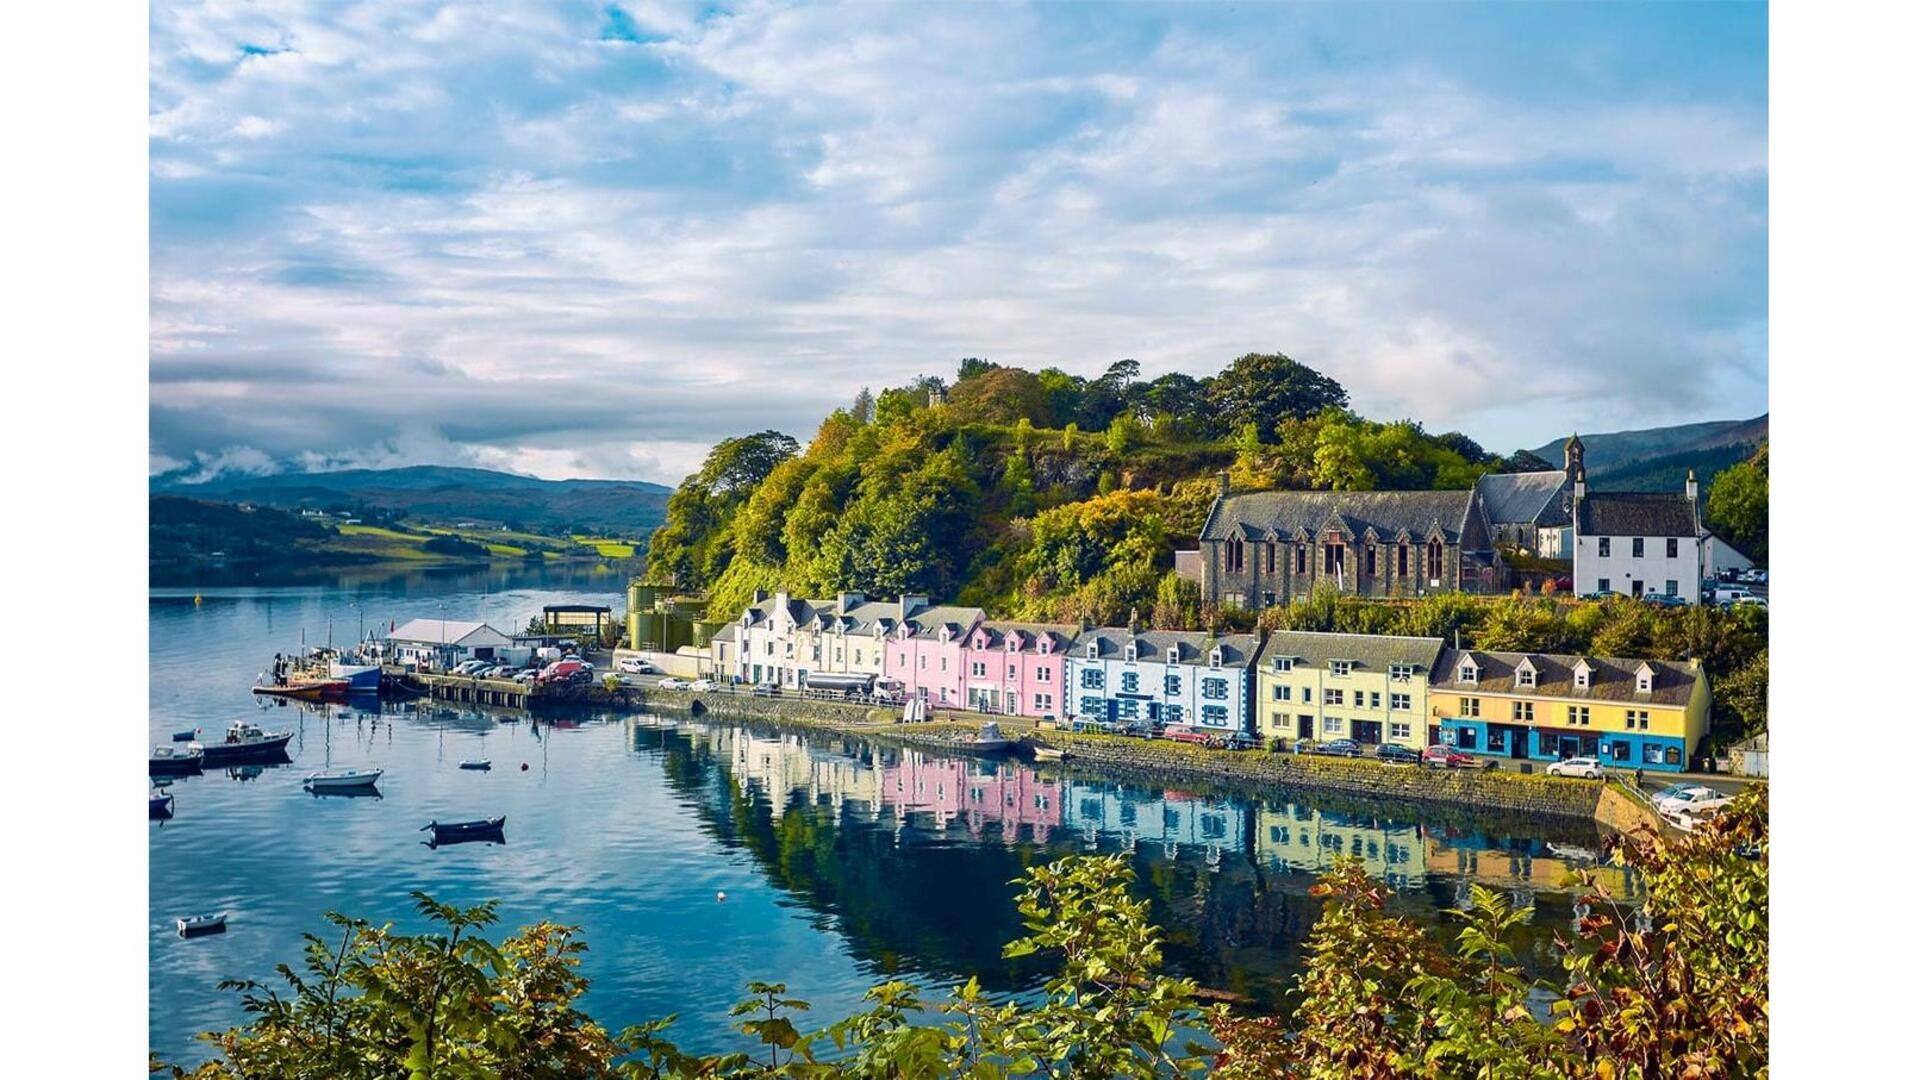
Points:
(196, 599)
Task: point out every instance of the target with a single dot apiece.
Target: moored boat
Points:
(172, 760)
(186, 736)
(478, 764)
(314, 690)
(200, 925)
(360, 678)
(1048, 753)
(342, 779)
(159, 805)
(245, 740)
(987, 739)
(492, 830)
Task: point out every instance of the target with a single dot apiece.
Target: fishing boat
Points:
(174, 759)
(245, 740)
(480, 764)
(988, 739)
(186, 736)
(159, 805)
(341, 779)
(308, 690)
(492, 830)
(202, 925)
(360, 678)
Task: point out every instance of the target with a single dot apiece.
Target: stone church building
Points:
(1272, 547)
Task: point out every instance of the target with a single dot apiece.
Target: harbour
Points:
(844, 860)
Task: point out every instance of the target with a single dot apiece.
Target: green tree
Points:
(1266, 388)
(1737, 505)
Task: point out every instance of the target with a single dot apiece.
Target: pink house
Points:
(1017, 669)
(924, 651)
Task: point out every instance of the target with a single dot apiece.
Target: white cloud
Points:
(749, 215)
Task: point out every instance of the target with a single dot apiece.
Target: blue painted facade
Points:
(1519, 742)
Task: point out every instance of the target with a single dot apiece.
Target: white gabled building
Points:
(439, 644)
(1639, 542)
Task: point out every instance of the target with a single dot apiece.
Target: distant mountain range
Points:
(1657, 459)
(627, 508)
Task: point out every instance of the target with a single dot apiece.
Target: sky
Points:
(589, 240)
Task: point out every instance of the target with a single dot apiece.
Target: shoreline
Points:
(1166, 761)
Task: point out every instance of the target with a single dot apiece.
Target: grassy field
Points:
(405, 543)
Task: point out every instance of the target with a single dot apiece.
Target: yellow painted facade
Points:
(1689, 721)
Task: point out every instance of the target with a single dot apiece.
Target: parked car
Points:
(1751, 601)
(1095, 727)
(633, 665)
(1446, 757)
(1596, 596)
(468, 667)
(1690, 800)
(1338, 748)
(1395, 754)
(526, 675)
(562, 669)
(1237, 740)
(1584, 768)
(1663, 600)
(671, 683)
(703, 686)
(1727, 596)
(1185, 733)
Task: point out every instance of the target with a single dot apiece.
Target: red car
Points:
(561, 670)
(1446, 757)
(1183, 733)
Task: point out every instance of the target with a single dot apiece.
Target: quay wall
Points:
(1162, 760)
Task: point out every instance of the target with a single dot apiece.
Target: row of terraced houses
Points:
(1287, 685)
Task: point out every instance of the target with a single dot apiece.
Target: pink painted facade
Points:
(925, 653)
(952, 790)
(1016, 669)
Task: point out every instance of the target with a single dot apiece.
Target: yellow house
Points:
(1646, 714)
(1371, 688)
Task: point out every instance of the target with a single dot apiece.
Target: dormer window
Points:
(1093, 651)
(1340, 667)
(1643, 680)
(1523, 676)
(1215, 657)
(1400, 672)
(1133, 652)
(1582, 676)
(1283, 663)
(1469, 672)
(1045, 646)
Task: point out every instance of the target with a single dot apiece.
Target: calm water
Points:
(842, 862)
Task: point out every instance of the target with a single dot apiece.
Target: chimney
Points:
(1579, 483)
(910, 603)
(759, 596)
(849, 599)
(1693, 487)
(1226, 486)
(1133, 620)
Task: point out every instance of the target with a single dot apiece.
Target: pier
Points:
(503, 693)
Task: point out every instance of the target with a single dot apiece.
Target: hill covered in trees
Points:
(1039, 495)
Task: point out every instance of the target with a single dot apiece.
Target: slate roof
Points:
(998, 629)
(1293, 515)
(1374, 653)
(1635, 513)
(1156, 645)
(1613, 677)
(1528, 498)
(725, 633)
(929, 620)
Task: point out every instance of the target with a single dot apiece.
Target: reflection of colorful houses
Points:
(1303, 838)
(1537, 707)
(1541, 867)
(957, 789)
(1172, 820)
(784, 766)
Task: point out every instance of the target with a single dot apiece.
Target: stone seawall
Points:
(1163, 760)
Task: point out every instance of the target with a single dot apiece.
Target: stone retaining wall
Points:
(1164, 760)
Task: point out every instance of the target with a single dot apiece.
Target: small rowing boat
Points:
(159, 806)
(202, 925)
(492, 830)
(481, 764)
(342, 779)
(1048, 753)
(186, 736)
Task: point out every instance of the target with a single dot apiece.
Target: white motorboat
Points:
(196, 925)
(988, 738)
(172, 759)
(342, 779)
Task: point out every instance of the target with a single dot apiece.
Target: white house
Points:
(1639, 542)
(441, 643)
(1125, 674)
